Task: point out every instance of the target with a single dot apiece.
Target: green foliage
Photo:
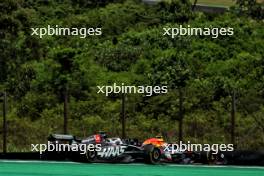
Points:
(174, 10)
(132, 50)
(251, 8)
(171, 69)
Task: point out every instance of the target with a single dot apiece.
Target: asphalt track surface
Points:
(39, 168)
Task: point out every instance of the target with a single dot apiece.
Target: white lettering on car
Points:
(111, 151)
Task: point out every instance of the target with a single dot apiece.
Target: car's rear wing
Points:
(61, 137)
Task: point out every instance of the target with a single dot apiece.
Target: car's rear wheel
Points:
(153, 154)
(91, 156)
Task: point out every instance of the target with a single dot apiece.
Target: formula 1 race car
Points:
(185, 157)
(100, 148)
(105, 149)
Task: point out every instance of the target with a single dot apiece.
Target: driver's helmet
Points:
(103, 134)
(159, 137)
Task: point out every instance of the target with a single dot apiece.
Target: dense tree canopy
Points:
(201, 72)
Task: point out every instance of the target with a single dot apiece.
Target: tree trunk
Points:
(181, 114)
(4, 122)
(233, 113)
(180, 129)
(123, 118)
(66, 110)
(194, 4)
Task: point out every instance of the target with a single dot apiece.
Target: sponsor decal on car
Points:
(111, 151)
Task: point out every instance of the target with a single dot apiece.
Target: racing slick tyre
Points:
(91, 156)
(153, 154)
(216, 158)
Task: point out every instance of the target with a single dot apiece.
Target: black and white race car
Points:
(100, 148)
